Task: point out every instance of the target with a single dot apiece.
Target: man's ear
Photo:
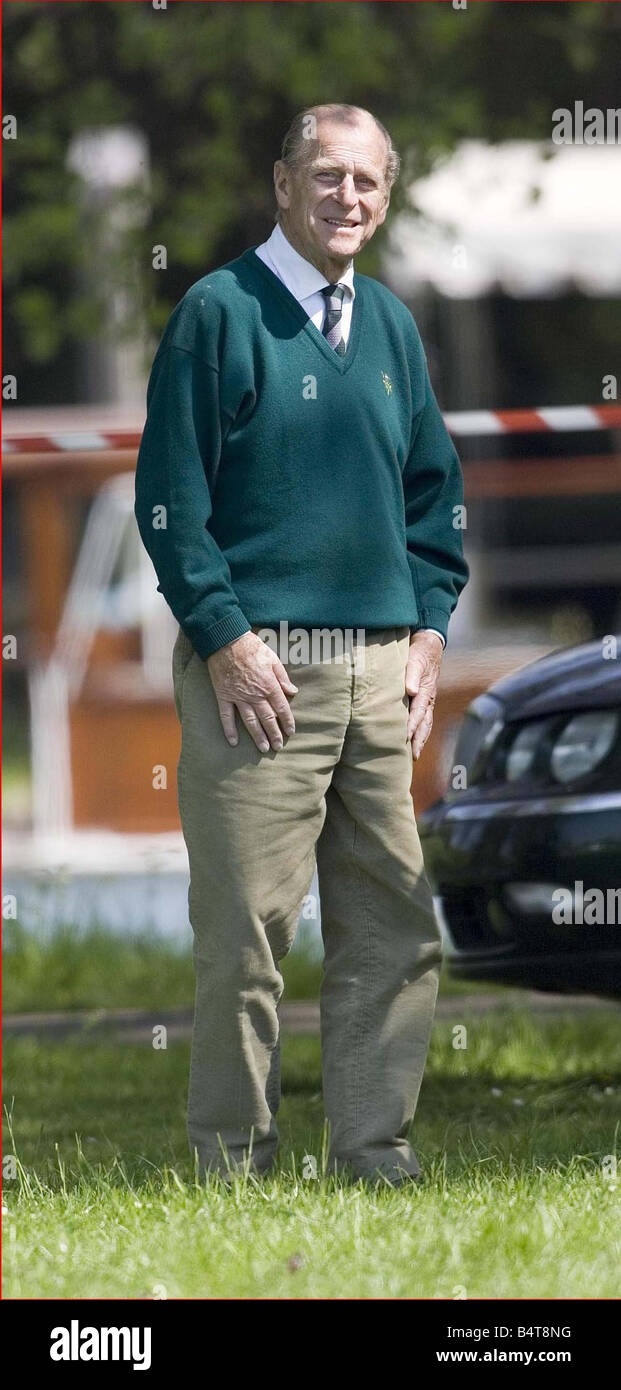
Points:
(282, 184)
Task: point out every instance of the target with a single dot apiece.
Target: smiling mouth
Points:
(338, 222)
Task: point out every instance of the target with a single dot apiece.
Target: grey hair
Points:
(296, 142)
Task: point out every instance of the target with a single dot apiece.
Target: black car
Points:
(525, 852)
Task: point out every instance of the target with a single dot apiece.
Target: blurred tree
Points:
(212, 87)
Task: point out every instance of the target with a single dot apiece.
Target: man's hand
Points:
(421, 680)
(246, 674)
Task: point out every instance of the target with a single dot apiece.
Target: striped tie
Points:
(334, 295)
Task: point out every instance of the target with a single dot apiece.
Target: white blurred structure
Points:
(113, 165)
(528, 218)
(110, 543)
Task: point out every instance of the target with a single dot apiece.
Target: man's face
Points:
(333, 202)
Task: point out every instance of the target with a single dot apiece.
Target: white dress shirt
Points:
(305, 283)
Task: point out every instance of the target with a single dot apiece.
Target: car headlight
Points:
(523, 751)
(583, 744)
(479, 731)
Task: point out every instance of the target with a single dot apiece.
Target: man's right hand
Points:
(247, 675)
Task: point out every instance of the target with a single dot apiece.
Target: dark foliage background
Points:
(213, 87)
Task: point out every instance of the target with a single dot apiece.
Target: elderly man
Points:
(295, 473)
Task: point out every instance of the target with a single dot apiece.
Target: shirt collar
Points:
(299, 275)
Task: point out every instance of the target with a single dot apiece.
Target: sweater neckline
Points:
(341, 364)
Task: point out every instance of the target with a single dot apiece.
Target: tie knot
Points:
(334, 292)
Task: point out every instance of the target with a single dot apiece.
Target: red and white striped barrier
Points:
(460, 423)
(69, 441)
(543, 419)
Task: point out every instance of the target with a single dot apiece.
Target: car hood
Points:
(574, 678)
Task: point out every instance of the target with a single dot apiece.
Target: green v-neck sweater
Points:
(277, 481)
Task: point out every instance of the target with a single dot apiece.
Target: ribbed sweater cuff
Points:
(434, 617)
(227, 630)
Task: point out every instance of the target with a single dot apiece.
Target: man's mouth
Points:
(339, 222)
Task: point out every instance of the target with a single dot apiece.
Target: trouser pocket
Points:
(183, 652)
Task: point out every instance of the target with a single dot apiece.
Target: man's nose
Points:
(346, 191)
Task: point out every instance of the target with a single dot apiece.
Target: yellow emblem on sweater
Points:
(387, 383)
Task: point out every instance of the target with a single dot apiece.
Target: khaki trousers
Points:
(339, 790)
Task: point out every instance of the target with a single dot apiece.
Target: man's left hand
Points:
(421, 681)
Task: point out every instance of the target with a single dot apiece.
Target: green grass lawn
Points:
(74, 969)
(512, 1133)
